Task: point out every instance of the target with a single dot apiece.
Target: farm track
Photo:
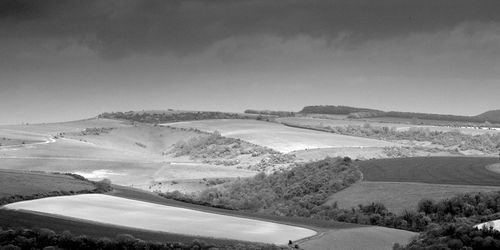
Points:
(435, 170)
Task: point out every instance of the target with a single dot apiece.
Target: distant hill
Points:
(353, 112)
(491, 116)
(334, 110)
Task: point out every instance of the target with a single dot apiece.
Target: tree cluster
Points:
(47, 239)
(270, 112)
(167, 117)
(300, 191)
(454, 236)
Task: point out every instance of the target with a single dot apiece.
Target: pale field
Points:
(373, 238)
(15, 182)
(279, 137)
(343, 121)
(128, 155)
(398, 196)
(149, 216)
(494, 223)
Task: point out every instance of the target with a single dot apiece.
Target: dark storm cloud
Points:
(122, 27)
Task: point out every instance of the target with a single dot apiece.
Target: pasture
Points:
(121, 212)
(279, 137)
(127, 154)
(434, 170)
(374, 238)
(400, 196)
(28, 183)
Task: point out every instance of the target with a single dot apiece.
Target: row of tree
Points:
(366, 113)
(21, 238)
(167, 117)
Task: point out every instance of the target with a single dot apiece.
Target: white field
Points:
(149, 216)
(279, 137)
(494, 223)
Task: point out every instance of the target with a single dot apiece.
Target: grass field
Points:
(279, 137)
(128, 154)
(149, 216)
(373, 238)
(27, 183)
(398, 196)
(435, 170)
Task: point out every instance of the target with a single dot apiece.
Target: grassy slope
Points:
(436, 170)
(278, 137)
(27, 183)
(128, 155)
(374, 238)
(398, 196)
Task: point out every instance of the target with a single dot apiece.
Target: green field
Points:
(373, 238)
(435, 170)
(28, 183)
(400, 196)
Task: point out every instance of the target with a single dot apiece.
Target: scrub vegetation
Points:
(452, 140)
(216, 149)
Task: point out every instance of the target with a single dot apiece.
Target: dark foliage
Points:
(270, 112)
(454, 236)
(334, 110)
(300, 191)
(44, 238)
(491, 116)
(167, 117)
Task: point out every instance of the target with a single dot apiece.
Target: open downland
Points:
(373, 238)
(279, 137)
(149, 216)
(400, 196)
(127, 154)
(27, 183)
(436, 170)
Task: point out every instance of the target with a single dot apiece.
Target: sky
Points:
(64, 60)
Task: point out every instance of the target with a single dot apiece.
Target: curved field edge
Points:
(433, 170)
(25, 219)
(132, 213)
(400, 196)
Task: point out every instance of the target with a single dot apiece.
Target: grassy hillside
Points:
(400, 196)
(24, 185)
(436, 170)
